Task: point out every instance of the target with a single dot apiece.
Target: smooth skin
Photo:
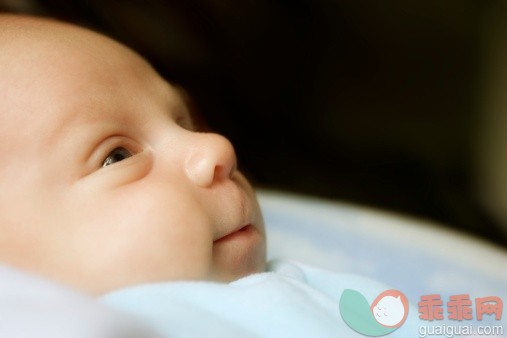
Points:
(104, 183)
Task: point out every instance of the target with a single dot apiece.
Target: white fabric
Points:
(293, 300)
(415, 256)
(32, 307)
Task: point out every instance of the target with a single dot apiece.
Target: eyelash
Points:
(116, 155)
(185, 122)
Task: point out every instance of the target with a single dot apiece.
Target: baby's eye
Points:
(117, 155)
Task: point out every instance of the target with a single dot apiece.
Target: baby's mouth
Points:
(235, 234)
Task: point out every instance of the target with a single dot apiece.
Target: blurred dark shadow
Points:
(372, 102)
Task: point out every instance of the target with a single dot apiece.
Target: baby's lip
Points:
(231, 234)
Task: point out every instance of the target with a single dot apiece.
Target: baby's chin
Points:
(230, 265)
(231, 276)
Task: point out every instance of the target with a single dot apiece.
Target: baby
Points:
(107, 187)
(104, 180)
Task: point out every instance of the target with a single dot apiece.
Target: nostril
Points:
(218, 171)
(222, 172)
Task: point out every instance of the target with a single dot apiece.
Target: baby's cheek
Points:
(170, 235)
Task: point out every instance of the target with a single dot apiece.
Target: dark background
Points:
(372, 102)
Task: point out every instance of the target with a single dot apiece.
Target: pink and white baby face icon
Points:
(390, 308)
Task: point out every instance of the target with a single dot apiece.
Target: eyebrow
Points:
(78, 121)
(86, 112)
(64, 125)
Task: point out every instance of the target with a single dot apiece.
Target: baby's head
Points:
(104, 183)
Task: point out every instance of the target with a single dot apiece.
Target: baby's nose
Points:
(211, 159)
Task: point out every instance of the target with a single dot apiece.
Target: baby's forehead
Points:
(75, 67)
(51, 70)
(42, 38)
(18, 31)
(41, 51)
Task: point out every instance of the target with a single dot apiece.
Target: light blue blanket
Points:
(292, 300)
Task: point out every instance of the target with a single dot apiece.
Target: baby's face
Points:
(104, 182)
